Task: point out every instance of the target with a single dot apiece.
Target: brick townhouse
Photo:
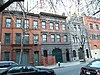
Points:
(93, 30)
(45, 39)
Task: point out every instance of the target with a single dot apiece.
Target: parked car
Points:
(27, 70)
(5, 64)
(93, 68)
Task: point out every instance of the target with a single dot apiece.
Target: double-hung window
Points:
(63, 27)
(65, 38)
(36, 37)
(91, 26)
(18, 38)
(26, 39)
(44, 38)
(51, 26)
(57, 26)
(43, 25)
(35, 25)
(7, 38)
(18, 23)
(52, 38)
(97, 27)
(58, 38)
(26, 23)
(8, 22)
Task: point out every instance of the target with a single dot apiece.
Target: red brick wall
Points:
(94, 21)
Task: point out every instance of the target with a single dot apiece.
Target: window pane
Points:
(7, 38)
(57, 26)
(8, 22)
(43, 25)
(18, 38)
(18, 23)
(63, 27)
(26, 23)
(36, 39)
(97, 27)
(65, 38)
(26, 39)
(58, 38)
(52, 38)
(44, 38)
(91, 26)
(35, 24)
(51, 26)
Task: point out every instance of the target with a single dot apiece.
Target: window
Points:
(97, 36)
(6, 56)
(74, 53)
(45, 53)
(36, 39)
(18, 23)
(26, 39)
(91, 26)
(26, 23)
(51, 26)
(44, 38)
(79, 27)
(43, 25)
(7, 38)
(93, 36)
(97, 27)
(65, 38)
(18, 38)
(75, 28)
(57, 26)
(52, 38)
(8, 22)
(63, 27)
(74, 38)
(35, 25)
(58, 38)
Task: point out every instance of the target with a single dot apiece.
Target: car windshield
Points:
(95, 64)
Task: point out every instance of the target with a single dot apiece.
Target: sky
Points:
(59, 6)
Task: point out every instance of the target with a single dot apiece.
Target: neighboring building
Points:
(45, 40)
(78, 37)
(93, 29)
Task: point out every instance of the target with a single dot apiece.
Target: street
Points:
(70, 70)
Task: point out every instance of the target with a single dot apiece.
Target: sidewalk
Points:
(61, 65)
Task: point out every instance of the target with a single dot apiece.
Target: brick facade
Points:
(94, 33)
(34, 52)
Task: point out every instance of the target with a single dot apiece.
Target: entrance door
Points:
(25, 57)
(67, 55)
(58, 54)
(36, 58)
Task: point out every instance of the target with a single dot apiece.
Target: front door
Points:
(36, 58)
(58, 54)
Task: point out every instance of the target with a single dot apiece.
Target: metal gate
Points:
(58, 54)
(25, 57)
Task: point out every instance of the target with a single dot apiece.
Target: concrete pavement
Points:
(61, 65)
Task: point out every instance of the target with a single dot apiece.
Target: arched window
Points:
(74, 53)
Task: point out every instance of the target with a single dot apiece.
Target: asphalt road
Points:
(69, 70)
